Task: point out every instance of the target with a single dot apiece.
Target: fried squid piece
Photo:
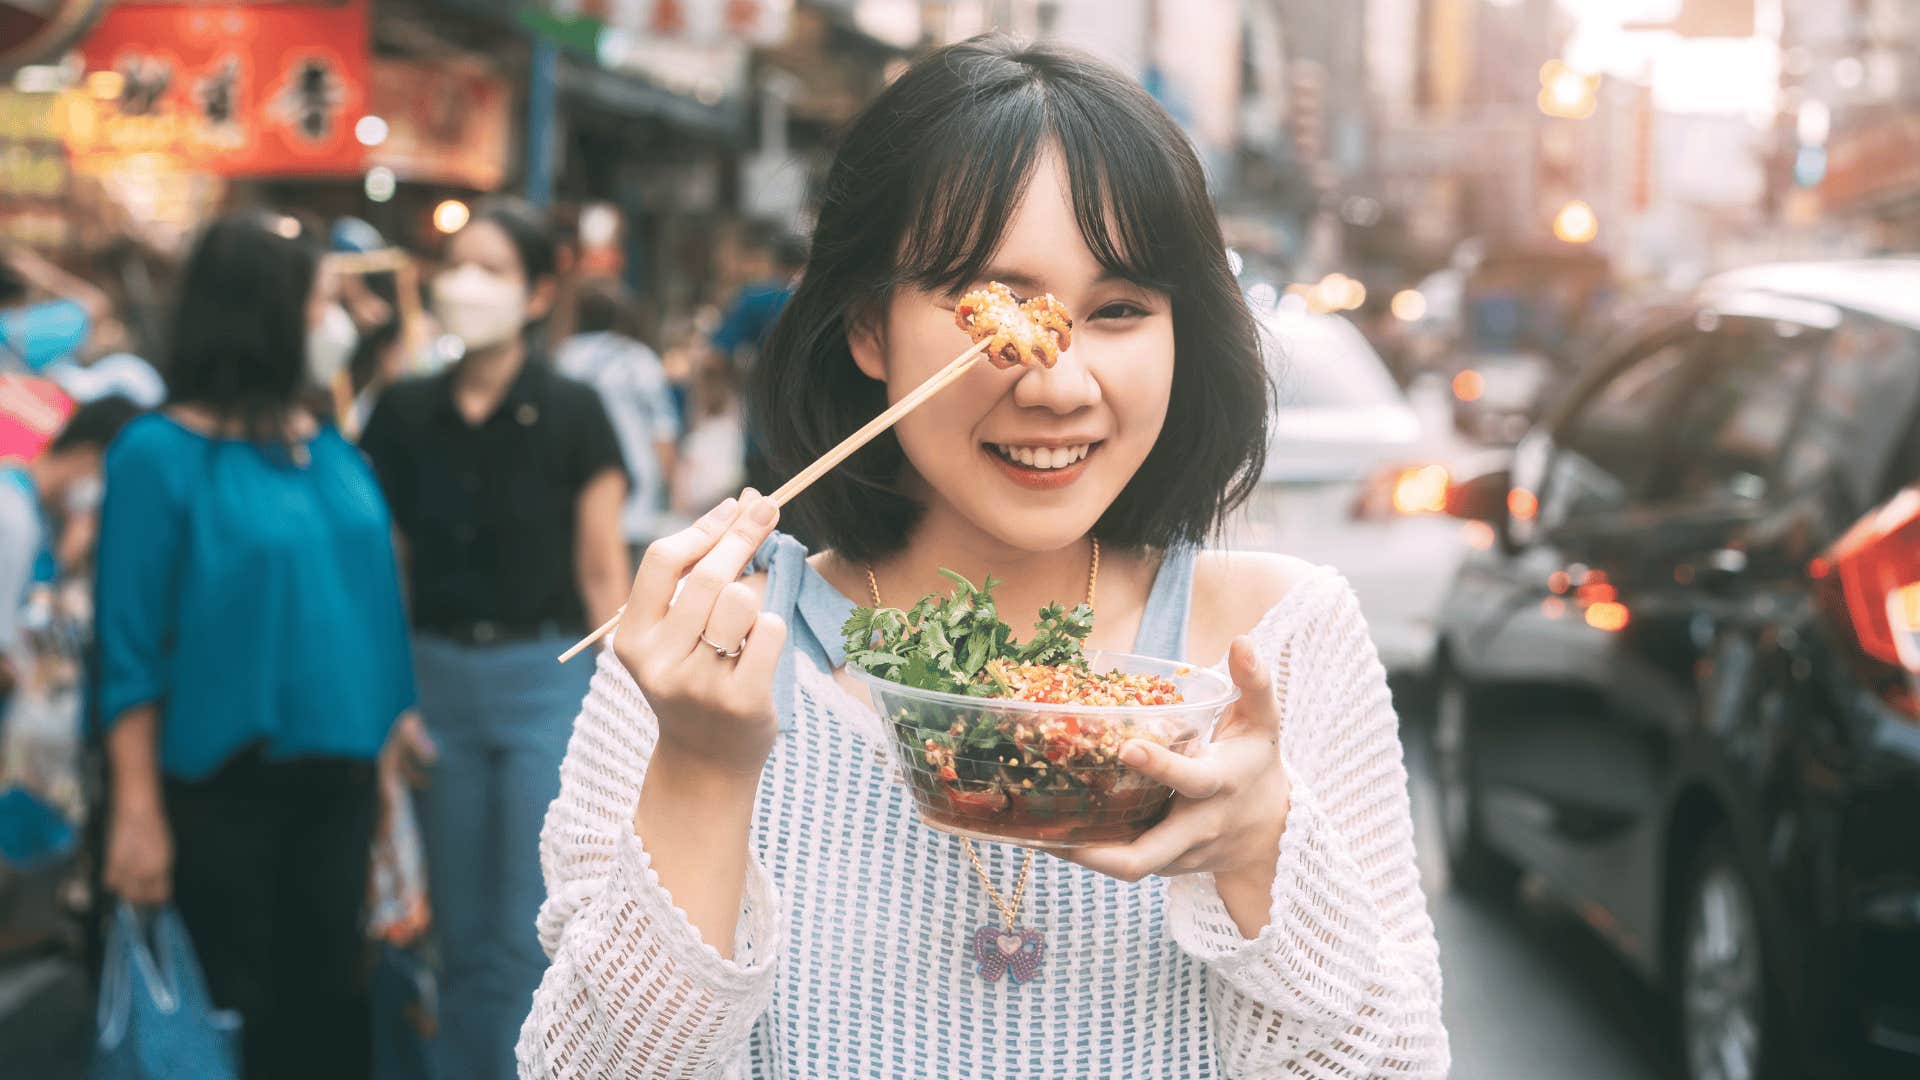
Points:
(1035, 331)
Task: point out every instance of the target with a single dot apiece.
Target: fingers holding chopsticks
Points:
(668, 559)
(696, 642)
(720, 567)
(682, 576)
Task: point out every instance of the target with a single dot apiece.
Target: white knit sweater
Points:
(852, 957)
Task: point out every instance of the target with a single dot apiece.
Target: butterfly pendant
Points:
(1015, 952)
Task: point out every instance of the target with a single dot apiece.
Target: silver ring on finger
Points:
(724, 652)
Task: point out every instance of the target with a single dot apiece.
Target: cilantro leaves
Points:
(944, 643)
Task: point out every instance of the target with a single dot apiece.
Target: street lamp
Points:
(1576, 223)
(451, 216)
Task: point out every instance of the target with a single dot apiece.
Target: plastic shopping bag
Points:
(405, 995)
(398, 912)
(156, 1020)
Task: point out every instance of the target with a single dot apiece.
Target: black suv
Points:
(1680, 680)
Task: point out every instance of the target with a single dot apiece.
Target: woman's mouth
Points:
(1041, 467)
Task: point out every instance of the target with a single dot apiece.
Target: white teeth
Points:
(1043, 457)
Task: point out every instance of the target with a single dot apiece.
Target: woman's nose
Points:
(1068, 386)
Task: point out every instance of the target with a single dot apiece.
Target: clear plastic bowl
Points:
(1057, 782)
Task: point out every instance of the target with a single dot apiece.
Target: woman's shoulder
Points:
(151, 440)
(411, 394)
(150, 461)
(1247, 584)
(570, 387)
(1234, 591)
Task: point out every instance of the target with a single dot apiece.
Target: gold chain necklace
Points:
(1008, 948)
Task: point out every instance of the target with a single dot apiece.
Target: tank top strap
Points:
(813, 610)
(1163, 625)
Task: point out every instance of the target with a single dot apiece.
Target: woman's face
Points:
(483, 294)
(1033, 457)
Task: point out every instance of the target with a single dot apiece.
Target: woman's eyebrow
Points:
(1027, 283)
(1012, 279)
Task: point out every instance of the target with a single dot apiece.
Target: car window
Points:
(1605, 451)
(1868, 384)
(1732, 423)
(1323, 361)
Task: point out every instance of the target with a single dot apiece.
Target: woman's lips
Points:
(1040, 479)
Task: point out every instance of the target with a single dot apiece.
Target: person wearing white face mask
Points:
(507, 483)
(330, 344)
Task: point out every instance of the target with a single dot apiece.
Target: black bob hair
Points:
(95, 425)
(919, 194)
(239, 342)
(527, 228)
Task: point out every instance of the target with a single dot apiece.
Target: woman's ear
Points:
(868, 344)
(540, 300)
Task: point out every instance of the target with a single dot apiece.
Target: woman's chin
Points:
(1032, 524)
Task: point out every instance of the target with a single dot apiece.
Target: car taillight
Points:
(1404, 491)
(1870, 587)
(1469, 385)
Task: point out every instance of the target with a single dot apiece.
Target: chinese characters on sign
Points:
(239, 90)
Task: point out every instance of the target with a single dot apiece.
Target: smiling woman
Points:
(735, 881)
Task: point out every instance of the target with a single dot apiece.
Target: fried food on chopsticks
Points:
(1035, 331)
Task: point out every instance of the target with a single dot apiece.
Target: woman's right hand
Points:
(715, 711)
(139, 867)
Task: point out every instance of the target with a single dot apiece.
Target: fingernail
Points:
(747, 495)
(726, 508)
(762, 511)
(1134, 755)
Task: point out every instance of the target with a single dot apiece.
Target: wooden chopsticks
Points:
(915, 398)
(918, 396)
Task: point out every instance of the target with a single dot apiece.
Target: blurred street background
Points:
(1597, 330)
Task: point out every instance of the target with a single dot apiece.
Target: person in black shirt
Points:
(506, 484)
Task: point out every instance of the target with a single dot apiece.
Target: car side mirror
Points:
(1482, 498)
(1487, 500)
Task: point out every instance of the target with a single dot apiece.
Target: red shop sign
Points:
(248, 89)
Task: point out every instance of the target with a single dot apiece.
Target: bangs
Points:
(962, 202)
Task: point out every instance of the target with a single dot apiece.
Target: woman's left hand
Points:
(409, 753)
(1230, 803)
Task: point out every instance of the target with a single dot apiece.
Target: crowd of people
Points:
(320, 555)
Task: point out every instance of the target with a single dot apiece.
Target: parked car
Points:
(1518, 312)
(1494, 398)
(1679, 682)
(1356, 477)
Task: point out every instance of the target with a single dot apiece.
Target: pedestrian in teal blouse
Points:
(257, 602)
(253, 656)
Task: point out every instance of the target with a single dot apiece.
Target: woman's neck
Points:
(484, 375)
(294, 424)
(943, 539)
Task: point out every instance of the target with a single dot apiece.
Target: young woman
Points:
(253, 655)
(737, 886)
(506, 483)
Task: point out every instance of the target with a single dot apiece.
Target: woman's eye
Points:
(1120, 309)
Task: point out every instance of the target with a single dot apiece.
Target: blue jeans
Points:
(500, 716)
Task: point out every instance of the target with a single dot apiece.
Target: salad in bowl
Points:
(1003, 739)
